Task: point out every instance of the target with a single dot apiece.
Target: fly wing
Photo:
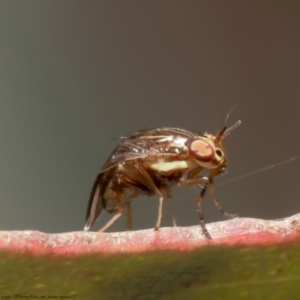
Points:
(148, 142)
(162, 132)
(124, 152)
(95, 203)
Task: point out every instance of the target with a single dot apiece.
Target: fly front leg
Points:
(194, 181)
(213, 197)
(200, 211)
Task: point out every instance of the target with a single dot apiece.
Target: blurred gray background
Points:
(76, 75)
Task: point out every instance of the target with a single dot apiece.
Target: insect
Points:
(150, 162)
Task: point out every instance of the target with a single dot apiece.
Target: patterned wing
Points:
(148, 142)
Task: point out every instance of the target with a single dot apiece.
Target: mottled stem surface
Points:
(239, 231)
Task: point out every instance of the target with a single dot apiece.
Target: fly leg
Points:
(194, 181)
(200, 211)
(115, 217)
(128, 216)
(156, 191)
(170, 198)
(129, 184)
(210, 186)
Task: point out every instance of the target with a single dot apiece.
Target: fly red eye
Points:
(201, 150)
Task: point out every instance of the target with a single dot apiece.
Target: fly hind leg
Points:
(115, 217)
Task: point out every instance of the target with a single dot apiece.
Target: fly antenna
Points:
(226, 131)
(230, 111)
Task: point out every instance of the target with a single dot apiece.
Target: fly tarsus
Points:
(221, 209)
(204, 230)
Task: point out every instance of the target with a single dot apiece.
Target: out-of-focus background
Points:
(76, 75)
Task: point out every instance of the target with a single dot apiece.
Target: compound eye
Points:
(201, 150)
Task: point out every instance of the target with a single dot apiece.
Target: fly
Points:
(150, 162)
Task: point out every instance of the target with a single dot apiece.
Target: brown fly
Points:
(150, 162)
